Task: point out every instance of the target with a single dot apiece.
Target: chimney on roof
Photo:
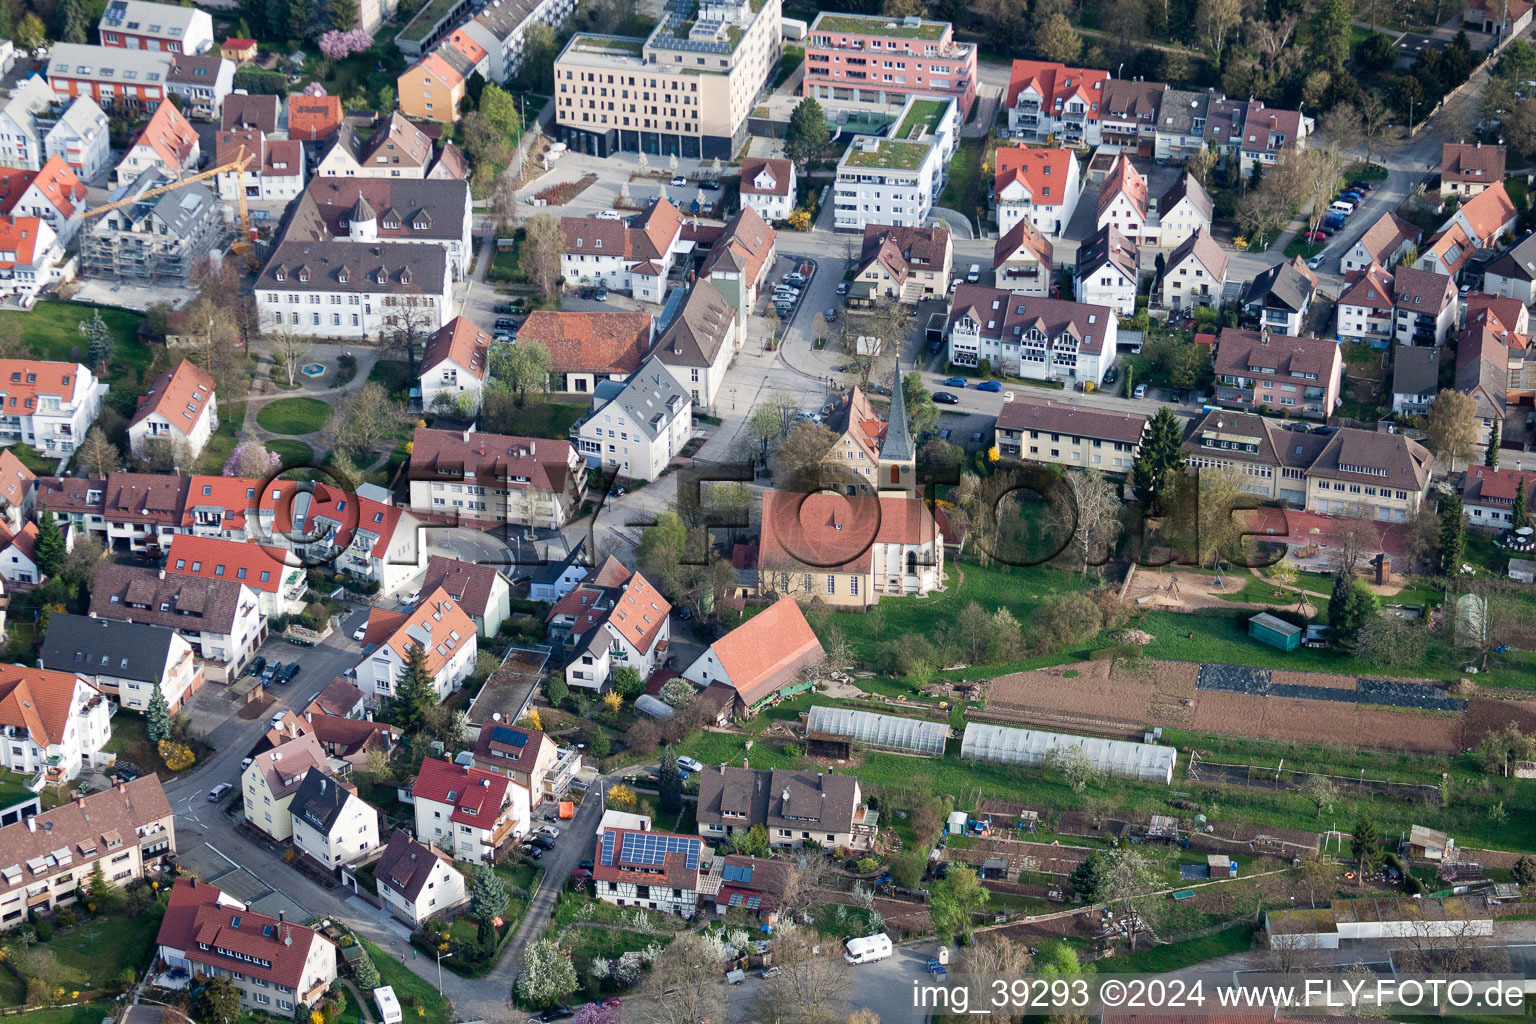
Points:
(162, 574)
(1479, 143)
(31, 824)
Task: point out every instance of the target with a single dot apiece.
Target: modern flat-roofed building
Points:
(869, 58)
(170, 28)
(896, 179)
(686, 89)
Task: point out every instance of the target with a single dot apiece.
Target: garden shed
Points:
(1276, 632)
(1149, 762)
(834, 732)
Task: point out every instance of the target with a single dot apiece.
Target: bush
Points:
(1064, 619)
(866, 865)
(178, 757)
(67, 918)
(44, 930)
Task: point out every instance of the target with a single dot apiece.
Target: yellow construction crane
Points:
(238, 165)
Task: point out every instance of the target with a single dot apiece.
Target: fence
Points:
(1277, 777)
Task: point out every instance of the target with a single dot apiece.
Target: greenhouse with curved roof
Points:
(834, 731)
(1148, 762)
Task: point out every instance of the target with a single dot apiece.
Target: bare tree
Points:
(290, 351)
(407, 327)
(1129, 879)
(98, 456)
(1271, 38)
(1351, 535)
(543, 246)
(1215, 20)
(685, 983)
(1375, 115)
(1087, 510)
(368, 417)
(802, 886)
(1453, 427)
(1324, 165)
(803, 454)
(811, 986)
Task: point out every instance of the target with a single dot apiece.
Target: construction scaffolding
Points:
(153, 237)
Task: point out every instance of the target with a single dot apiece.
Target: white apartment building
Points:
(637, 426)
(1040, 338)
(125, 660)
(33, 128)
(472, 812)
(139, 25)
(1365, 308)
(354, 290)
(21, 137)
(361, 533)
(634, 256)
(1107, 272)
(1039, 185)
(276, 170)
(221, 619)
(47, 405)
(1195, 273)
(81, 138)
(768, 186)
(497, 478)
(31, 259)
(279, 586)
(895, 180)
(501, 27)
(437, 626)
(332, 825)
(55, 724)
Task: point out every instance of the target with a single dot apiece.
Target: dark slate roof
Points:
(644, 395)
(1179, 110)
(1282, 285)
(1415, 370)
(128, 650)
(426, 265)
(550, 571)
(1518, 262)
(135, 594)
(896, 446)
(1187, 185)
(468, 583)
(695, 336)
(405, 864)
(319, 801)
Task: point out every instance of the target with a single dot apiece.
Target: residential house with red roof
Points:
(279, 586)
(816, 549)
(433, 87)
(475, 813)
(344, 739)
(54, 194)
(453, 367)
(1488, 495)
(273, 777)
(1426, 306)
(481, 590)
(739, 263)
(313, 119)
(437, 627)
(179, 410)
(275, 171)
(55, 723)
(1108, 271)
(1388, 238)
(527, 757)
(1366, 312)
(614, 617)
(30, 258)
(1265, 132)
(1447, 251)
(1050, 99)
(587, 347)
(362, 533)
(241, 51)
(1123, 199)
(654, 870)
(1022, 260)
(276, 965)
(765, 657)
(1038, 185)
(220, 506)
(902, 264)
(1482, 371)
(1039, 338)
(1124, 204)
(768, 186)
(1487, 216)
(1502, 19)
(633, 256)
(18, 554)
(48, 405)
(1275, 372)
(1508, 317)
(496, 478)
(167, 145)
(18, 490)
(417, 880)
(127, 830)
(1467, 168)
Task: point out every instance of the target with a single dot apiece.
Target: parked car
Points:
(690, 764)
(257, 666)
(946, 398)
(361, 631)
(1178, 396)
(542, 843)
(794, 277)
(710, 186)
(548, 830)
(953, 382)
(290, 673)
(585, 865)
(270, 672)
(976, 437)
(602, 293)
(1363, 186)
(829, 315)
(1316, 261)
(217, 792)
(412, 597)
(842, 288)
(1316, 236)
(679, 180)
(1141, 391)
(989, 385)
(505, 323)
(773, 972)
(246, 762)
(1112, 375)
(563, 1012)
(610, 215)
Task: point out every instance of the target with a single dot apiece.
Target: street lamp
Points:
(440, 957)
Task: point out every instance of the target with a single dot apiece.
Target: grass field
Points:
(395, 375)
(545, 419)
(293, 453)
(34, 460)
(222, 443)
(85, 1013)
(1174, 955)
(294, 415)
(51, 330)
(963, 188)
(93, 955)
(418, 997)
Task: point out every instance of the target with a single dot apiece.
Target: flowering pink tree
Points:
(252, 459)
(314, 89)
(336, 45)
(596, 1013)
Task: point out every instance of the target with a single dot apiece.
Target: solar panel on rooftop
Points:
(651, 849)
(501, 734)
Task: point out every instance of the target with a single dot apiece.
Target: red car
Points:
(1317, 236)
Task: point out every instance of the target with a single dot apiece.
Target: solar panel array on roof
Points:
(738, 873)
(650, 849)
(511, 737)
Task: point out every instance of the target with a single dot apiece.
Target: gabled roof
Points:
(1065, 418)
(196, 918)
(1451, 247)
(406, 865)
(1471, 162)
(653, 231)
(823, 525)
(320, 799)
(144, 499)
(506, 461)
(622, 600)
(313, 118)
(744, 246)
(1022, 237)
(38, 701)
(1518, 262)
(1482, 370)
(56, 181)
(1266, 130)
(1370, 288)
(1501, 312)
(1385, 236)
(1497, 486)
(21, 236)
(476, 795)
(259, 111)
(284, 766)
(779, 170)
(338, 700)
(646, 398)
(509, 747)
(469, 583)
(768, 650)
(1188, 187)
(1133, 99)
(169, 135)
(107, 647)
(1124, 179)
(1108, 247)
(1489, 212)
(233, 497)
(181, 396)
(100, 825)
(901, 250)
(779, 798)
(1058, 84)
(1002, 314)
(1286, 286)
(581, 342)
(258, 566)
(1243, 353)
(140, 594)
(23, 540)
(701, 328)
(411, 209)
(348, 515)
(23, 381)
(451, 163)
(1407, 463)
(437, 625)
(460, 341)
(1044, 173)
(16, 480)
(1203, 248)
(1422, 291)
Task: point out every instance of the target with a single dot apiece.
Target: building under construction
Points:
(157, 239)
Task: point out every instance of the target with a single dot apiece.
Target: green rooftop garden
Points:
(426, 20)
(626, 45)
(928, 114)
(891, 154)
(873, 25)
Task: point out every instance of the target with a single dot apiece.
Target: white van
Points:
(868, 949)
(974, 275)
(1342, 208)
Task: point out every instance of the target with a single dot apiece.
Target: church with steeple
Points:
(877, 449)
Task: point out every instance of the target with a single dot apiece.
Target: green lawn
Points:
(1174, 955)
(85, 1013)
(293, 453)
(963, 190)
(545, 419)
(222, 444)
(93, 955)
(586, 944)
(34, 460)
(395, 375)
(415, 994)
(294, 415)
(51, 329)
(793, 57)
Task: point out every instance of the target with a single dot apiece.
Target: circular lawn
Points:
(294, 415)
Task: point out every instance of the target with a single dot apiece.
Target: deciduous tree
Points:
(1215, 20)
(684, 983)
(1055, 39)
(954, 901)
(252, 459)
(290, 351)
(98, 456)
(521, 369)
(547, 975)
(1086, 509)
(539, 258)
(368, 417)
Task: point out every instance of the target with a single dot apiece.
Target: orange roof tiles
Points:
(590, 342)
(20, 235)
(437, 625)
(181, 395)
(313, 118)
(1124, 179)
(760, 654)
(1044, 172)
(460, 341)
(169, 135)
(15, 479)
(1057, 84)
(23, 380)
(441, 70)
(60, 185)
(1488, 212)
(258, 566)
(833, 533)
(37, 700)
